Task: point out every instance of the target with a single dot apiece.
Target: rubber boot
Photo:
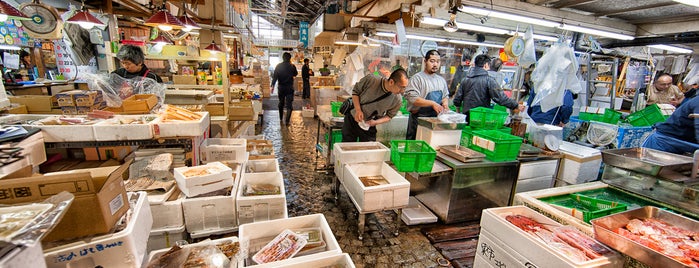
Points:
(288, 117)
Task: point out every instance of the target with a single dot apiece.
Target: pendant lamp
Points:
(85, 19)
(161, 40)
(189, 23)
(213, 47)
(164, 20)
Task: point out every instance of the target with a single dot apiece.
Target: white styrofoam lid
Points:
(578, 150)
(417, 215)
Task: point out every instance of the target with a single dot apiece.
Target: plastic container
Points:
(335, 108)
(261, 165)
(647, 117)
(393, 194)
(210, 215)
(436, 138)
(496, 146)
(24, 256)
(215, 176)
(125, 248)
(222, 149)
(584, 207)
(486, 118)
(412, 155)
(165, 238)
(466, 136)
(360, 152)
(610, 116)
(416, 213)
(257, 208)
(339, 260)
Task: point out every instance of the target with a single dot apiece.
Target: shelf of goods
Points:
(125, 248)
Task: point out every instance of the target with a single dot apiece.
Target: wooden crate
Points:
(139, 103)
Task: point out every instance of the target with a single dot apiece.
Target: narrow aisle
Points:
(309, 192)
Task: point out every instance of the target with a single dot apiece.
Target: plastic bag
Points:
(48, 214)
(116, 88)
(529, 56)
(452, 117)
(555, 72)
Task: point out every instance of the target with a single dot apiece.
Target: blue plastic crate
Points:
(630, 137)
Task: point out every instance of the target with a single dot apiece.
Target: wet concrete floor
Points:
(309, 191)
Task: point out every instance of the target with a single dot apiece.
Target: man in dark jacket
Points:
(306, 74)
(285, 73)
(479, 89)
(460, 74)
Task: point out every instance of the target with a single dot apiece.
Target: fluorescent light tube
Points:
(426, 38)
(508, 16)
(596, 32)
(465, 26)
(463, 42)
(672, 48)
(385, 34)
(348, 43)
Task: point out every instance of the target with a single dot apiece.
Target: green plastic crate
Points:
(412, 155)
(452, 107)
(337, 137)
(585, 116)
(486, 118)
(610, 116)
(506, 130)
(496, 146)
(466, 136)
(646, 117)
(404, 106)
(499, 107)
(584, 207)
(335, 108)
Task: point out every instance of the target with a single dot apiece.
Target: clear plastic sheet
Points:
(45, 222)
(452, 117)
(529, 56)
(555, 72)
(116, 88)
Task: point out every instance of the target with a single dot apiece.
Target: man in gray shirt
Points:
(427, 93)
(376, 100)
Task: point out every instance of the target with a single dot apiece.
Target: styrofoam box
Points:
(197, 185)
(340, 260)
(182, 128)
(10, 119)
(257, 230)
(339, 169)
(261, 165)
(211, 214)
(344, 154)
(480, 262)
(111, 130)
(494, 253)
(68, 133)
(165, 238)
(436, 138)
(23, 257)
(262, 207)
(215, 149)
(580, 164)
(416, 213)
(168, 214)
(533, 184)
(536, 251)
(392, 195)
(125, 248)
(32, 148)
(536, 169)
(531, 200)
(306, 112)
(157, 253)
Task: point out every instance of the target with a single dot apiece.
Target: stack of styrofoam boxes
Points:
(354, 153)
(438, 137)
(256, 208)
(168, 222)
(536, 175)
(502, 244)
(580, 164)
(125, 248)
(254, 236)
(208, 215)
(215, 149)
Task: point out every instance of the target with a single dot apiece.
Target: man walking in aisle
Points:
(376, 100)
(427, 93)
(285, 73)
(306, 74)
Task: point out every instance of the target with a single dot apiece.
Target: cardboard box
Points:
(100, 198)
(215, 109)
(114, 152)
(241, 110)
(18, 109)
(139, 103)
(69, 110)
(65, 99)
(34, 103)
(184, 79)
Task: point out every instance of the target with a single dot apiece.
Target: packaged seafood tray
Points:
(229, 246)
(673, 244)
(67, 129)
(284, 246)
(177, 128)
(532, 245)
(261, 197)
(389, 192)
(203, 179)
(125, 248)
(223, 149)
(360, 152)
(251, 232)
(125, 127)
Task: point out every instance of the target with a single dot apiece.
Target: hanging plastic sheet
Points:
(116, 88)
(529, 56)
(555, 72)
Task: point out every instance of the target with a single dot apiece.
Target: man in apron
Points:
(427, 93)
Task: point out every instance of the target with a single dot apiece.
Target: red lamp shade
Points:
(164, 20)
(11, 12)
(161, 39)
(188, 22)
(85, 19)
(213, 47)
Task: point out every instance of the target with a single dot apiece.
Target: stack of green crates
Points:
(335, 108)
(466, 136)
(486, 118)
(412, 155)
(610, 116)
(646, 117)
(497, 146)
(337, 137)
(590, 208)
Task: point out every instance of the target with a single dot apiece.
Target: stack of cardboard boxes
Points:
(80, 101)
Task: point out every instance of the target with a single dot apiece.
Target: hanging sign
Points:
(303, 33)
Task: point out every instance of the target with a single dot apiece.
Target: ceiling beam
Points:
(655, 29)
(626, 10)
(570, 3)
(652, 41)
(133, 6)
(662, 19)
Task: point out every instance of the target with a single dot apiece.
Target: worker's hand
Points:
(358, 115)
(371, 123)
(675, 102)
(446, 107)
(437, 108)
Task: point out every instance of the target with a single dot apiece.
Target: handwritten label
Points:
(89, 250)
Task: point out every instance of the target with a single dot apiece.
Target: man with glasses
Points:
(662, 91)
(427, 93)
(376, 100)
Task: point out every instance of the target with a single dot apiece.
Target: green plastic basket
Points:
(506, 130)
(337, 137)
(404, 106)
(466, 136)
(584, 207)
(412, 155)
(335, 108)
(646, 117)
(496, 146)
(585, 116)
(610, 117)
(486, 118)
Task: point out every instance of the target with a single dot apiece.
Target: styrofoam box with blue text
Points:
(125, 248)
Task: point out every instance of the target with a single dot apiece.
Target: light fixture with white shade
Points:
(425, 38)
(508, 16)
(672, 48)
(161, 40)
(595, 32)
(473, 43)
(451, 26)
(465, 26)
(189, 24)
(688, 2)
